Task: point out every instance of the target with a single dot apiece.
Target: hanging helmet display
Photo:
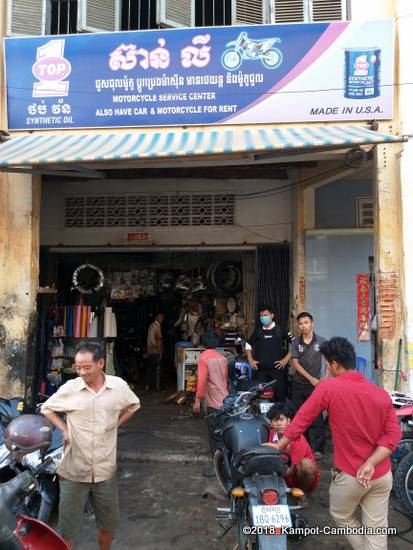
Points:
(183, 284)
(28, 433)
(166, 282)
(87, 278)
(198, 284)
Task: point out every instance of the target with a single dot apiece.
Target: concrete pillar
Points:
(19, 267)
(388, 265)
(405, 46)
(298, 252)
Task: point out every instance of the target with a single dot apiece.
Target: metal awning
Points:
(64, 148)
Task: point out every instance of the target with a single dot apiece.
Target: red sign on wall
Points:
(363, 308)
(138, 236)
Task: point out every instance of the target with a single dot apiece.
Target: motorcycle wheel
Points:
(272, 58)
(219, 471)
(231, 60)
(404, 448)
(244, 541)
(403, 484)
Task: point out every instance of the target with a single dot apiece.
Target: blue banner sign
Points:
(221, 75)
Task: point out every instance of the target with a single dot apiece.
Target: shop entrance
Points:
(112, 298)
(114, 305)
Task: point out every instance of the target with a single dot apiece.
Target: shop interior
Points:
(112, 298)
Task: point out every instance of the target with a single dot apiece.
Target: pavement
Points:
(167, 504)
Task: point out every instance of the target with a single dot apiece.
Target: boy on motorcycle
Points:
(303, 472)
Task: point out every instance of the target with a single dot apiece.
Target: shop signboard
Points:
(312, 72)
(363, 308)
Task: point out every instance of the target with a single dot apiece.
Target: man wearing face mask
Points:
(266, 352)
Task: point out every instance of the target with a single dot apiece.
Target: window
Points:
(152, 210)
(63, 17)
(365, 212)
(290, 11)
(212, 13)
(138, 14)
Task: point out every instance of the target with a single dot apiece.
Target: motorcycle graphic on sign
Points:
(244, 48)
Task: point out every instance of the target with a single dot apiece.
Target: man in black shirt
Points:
(306, 361)
(266, 352)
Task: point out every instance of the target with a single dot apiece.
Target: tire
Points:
(404, 447)
(245, 542)
(231, 60)
(403, 484)
(272, 58)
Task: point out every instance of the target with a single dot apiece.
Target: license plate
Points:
(271, 516)
(265, 406)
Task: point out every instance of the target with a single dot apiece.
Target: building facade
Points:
(343, 209)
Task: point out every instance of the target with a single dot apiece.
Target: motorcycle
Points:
(240, 379)
(245, 49)
(40, 502)
(17, 531)
(402, 458)
(252, 476)
(403, 406)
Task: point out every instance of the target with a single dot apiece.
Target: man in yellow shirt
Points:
(95, 404)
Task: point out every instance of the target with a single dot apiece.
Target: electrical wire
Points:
(286, 187)
(243, 93)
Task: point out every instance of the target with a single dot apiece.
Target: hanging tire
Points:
(403, 484)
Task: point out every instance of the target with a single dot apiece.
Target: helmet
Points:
(28, 433)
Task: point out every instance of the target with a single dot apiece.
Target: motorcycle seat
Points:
(261, 460)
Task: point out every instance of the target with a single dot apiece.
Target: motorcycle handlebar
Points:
(256, 390)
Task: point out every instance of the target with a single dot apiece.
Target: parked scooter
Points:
(244, 48)
(18, 532)
(252, 476)
(402, 458)
(40, 502)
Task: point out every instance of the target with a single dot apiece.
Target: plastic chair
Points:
(361, 365)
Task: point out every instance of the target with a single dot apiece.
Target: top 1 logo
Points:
(51, 68)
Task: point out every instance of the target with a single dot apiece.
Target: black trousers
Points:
(214, 422)
(267, 375)
(316, 432)
(152, 368)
